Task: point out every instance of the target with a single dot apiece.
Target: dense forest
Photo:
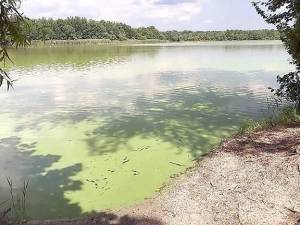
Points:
(74, 28)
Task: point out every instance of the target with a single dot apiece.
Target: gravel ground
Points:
(248, 180)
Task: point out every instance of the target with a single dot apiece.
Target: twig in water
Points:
(125, 161)
(135, 172)
(177, 164)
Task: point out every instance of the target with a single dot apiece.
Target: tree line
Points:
(73, 28)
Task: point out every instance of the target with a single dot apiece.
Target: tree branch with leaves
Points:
(11, 34)
(285, 15)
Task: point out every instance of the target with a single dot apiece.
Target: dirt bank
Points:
(248, 180)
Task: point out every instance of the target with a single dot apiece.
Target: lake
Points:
(104, 127)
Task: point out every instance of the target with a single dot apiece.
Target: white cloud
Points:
(133, 12)
(164, 14)
(208, 21)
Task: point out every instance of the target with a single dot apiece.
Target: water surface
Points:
(106, 126)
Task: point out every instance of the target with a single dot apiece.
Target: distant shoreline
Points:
(149, 42)
(94, 42)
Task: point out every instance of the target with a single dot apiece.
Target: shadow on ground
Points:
(103, 219)
(256, 143)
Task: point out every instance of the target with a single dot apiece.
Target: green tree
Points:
(11, 33)
(285, 15)
(81, 28)
(43, 30)
(69, 32)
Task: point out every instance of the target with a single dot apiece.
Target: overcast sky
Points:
(164, 14)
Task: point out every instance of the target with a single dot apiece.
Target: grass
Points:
(13, 210)
(286, 116)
